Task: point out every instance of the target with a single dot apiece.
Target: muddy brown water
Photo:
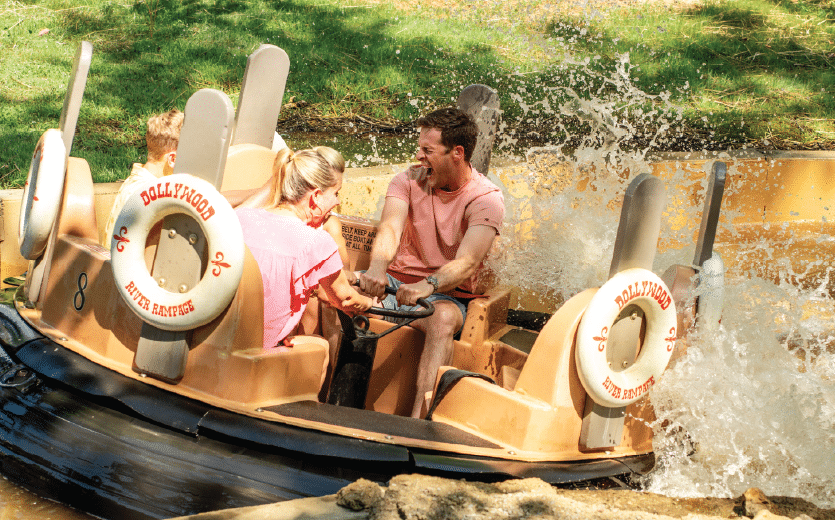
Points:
(18, 504)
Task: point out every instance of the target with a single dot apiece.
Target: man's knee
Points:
(447, 318)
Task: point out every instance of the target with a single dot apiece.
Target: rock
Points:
(417, 497)
(752, 502)
(360, 495)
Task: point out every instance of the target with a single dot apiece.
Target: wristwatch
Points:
(433, 282)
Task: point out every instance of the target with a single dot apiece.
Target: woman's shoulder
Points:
(258, 215)
(249, 212)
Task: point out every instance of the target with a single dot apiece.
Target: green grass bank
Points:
(665, 76)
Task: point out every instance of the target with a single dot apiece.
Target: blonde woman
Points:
(260, 197)
(295, 255)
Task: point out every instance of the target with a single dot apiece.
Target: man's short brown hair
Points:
(163, 133)
(456, 126)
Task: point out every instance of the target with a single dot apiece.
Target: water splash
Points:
(752, 403)
(563, 199)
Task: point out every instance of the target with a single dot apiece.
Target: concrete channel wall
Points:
(793, 190)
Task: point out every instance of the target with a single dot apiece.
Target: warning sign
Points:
(358, 237)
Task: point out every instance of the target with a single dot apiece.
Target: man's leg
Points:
(439, 329)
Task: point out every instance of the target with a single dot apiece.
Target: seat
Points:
(229, 362)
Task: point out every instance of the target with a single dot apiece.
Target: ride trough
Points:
(134, 382)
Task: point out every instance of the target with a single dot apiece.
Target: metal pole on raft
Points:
(75, 91)
(712, 269)
(707, 269)
(710, 214)
(635, 246)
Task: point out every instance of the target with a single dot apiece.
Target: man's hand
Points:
(373, 283)
(408, 294)
(352, 277)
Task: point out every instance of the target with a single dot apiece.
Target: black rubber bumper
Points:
(78, 433)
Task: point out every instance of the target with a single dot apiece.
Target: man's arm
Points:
(389, 232)
(474, 247)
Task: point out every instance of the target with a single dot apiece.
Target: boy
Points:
(162, 137)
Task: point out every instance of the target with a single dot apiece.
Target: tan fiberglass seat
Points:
(231, 363)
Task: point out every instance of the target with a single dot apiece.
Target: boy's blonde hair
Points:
(296, 173)
(163, 133)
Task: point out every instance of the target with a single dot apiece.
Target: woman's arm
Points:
(342, 295)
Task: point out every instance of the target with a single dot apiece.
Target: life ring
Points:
(42, 194)
(175, 311)
(644, 289)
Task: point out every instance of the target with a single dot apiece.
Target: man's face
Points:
(435, 157)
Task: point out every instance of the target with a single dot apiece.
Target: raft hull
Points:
(83, 435)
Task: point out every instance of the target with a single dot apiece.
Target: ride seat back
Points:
(228, 360)
(248, 166)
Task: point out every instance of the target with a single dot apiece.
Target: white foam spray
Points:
(753, 401)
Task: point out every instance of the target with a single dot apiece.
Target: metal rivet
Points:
(161, 282)
(511, 452)
(389, 437)
(192, 239)
(62, 338)
(143, 375)
(259, 410)
(183, 288)
(624, 364)
(172, 233)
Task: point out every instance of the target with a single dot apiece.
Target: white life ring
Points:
(42, 194)
(179, 193)
(630, 287)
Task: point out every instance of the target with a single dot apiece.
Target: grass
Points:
(760, 70)
(716, 74)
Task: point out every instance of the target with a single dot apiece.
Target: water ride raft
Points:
(133, 382)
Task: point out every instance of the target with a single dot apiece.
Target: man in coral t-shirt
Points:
(438, 223)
